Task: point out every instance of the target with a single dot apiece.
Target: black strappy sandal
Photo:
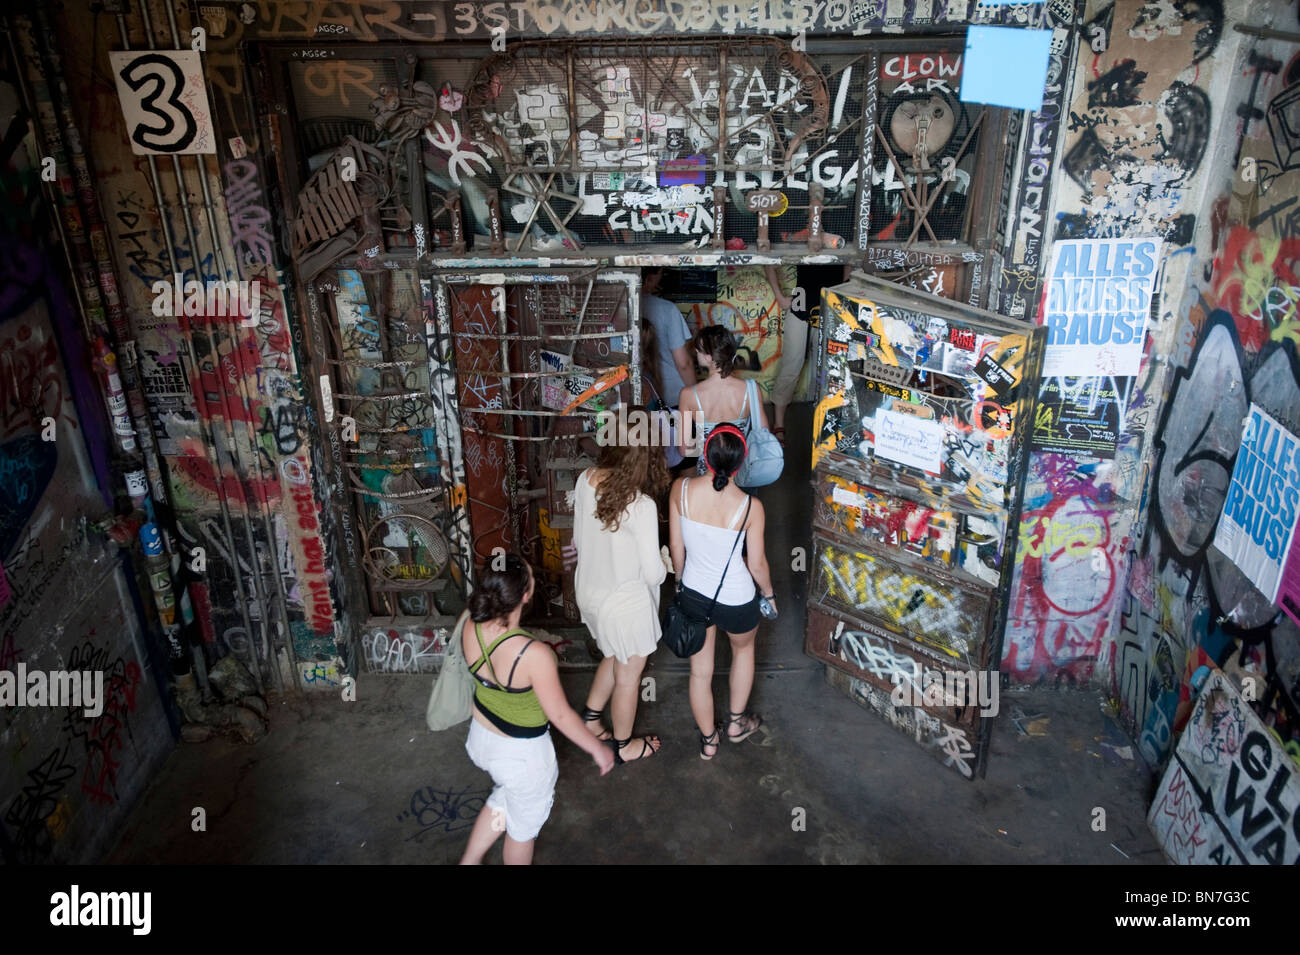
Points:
(646, 749)
(739, 718)
(592, 716)
(710, 740)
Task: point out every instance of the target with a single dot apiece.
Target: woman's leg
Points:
(742, 675)
(489, 824)
(518, 853)
(627, 682)
(794, 348)
(602, 685)
(701, 685)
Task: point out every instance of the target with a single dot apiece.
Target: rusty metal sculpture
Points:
(404, 117)
(339, 209)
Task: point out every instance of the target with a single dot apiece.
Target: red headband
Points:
(725, 428)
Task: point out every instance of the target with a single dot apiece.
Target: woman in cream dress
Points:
(620, 569)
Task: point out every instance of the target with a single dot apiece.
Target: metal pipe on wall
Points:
(85, 244)
(215, 338)
(268, 524)
(196, 382)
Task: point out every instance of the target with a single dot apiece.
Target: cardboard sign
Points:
(1230, 794)
(164, 101)
(767, 200)
(559, 392)
(1099, 293)
(1257, 525)
(555, 391)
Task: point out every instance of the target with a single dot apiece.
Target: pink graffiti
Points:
(99, 780)
(249, 218)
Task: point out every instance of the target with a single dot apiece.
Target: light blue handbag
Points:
(765, 459)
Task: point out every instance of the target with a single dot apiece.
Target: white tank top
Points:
(707, 548)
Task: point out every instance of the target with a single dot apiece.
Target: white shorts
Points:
(525, 773)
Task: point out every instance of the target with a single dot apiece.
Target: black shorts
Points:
(733, 619)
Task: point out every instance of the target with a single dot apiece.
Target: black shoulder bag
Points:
(683, 634)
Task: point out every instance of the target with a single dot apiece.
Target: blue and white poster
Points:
(1099, 294)
(1259, 512)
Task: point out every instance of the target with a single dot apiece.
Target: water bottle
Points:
(766, 608)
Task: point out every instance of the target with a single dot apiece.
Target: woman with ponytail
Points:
(705, 515)
(718, 398)
(517, 695)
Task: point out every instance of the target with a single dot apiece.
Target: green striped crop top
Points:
(515, 712)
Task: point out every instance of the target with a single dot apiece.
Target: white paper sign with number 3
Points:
(164, 101)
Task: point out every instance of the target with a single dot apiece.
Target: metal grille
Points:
(623, 142)
(380, 341)
(537, 358)
(926, 143)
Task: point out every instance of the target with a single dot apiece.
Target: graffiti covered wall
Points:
(1234, 342)
(228, 408)
(68, 779)
(1230, 795)
(1131, 163)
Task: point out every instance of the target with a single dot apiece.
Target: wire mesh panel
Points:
(392, 462)
(926, 145)
(654, 143)
(565, 144)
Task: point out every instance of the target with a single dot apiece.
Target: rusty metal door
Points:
(537, 356)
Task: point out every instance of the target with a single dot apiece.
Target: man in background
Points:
(676, 367)
(672, 366)
(794, 330)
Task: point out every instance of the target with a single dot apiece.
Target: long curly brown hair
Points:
(632, 469)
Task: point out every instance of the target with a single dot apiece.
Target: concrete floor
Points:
(366, 782)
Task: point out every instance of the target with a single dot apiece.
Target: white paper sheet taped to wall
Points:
(1257, 527)
(848, 498)
(916, 442)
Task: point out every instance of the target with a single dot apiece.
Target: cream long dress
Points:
(619, 573)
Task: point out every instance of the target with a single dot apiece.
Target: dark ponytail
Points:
(720, 345)
(724, 451)
(499, 592)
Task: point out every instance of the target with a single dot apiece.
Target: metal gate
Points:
(538, 355)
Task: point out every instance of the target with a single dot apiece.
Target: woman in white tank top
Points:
(719, 398)
(705, 515)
